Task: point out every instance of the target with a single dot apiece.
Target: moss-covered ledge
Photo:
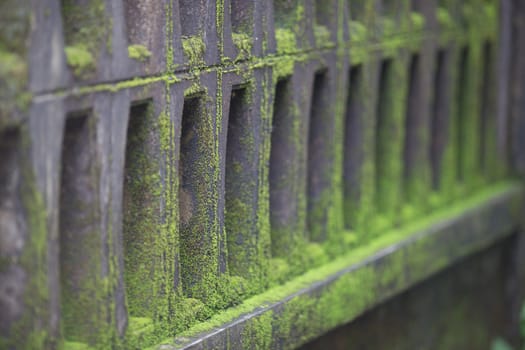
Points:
(322, 299)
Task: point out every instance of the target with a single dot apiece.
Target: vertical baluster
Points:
(329, 17)
(146, 25)
(462, 114)
(517, 90)
(288, 204)
(389, 138)
(81, 247)
(503, 81)
(443, 175)
(238, 29)
(490, 164)
(21, 211)
(199, 32)
(471, 67)
(283, 209)
(248, 243)
(353, 147)
(416, 172)
(322, 221)
(94, 38)
(360, 169)
(150, 229)
(293, 25)
(93, 304)
(202, 241)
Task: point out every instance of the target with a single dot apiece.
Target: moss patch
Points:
(243, 43)
(286, 41)
(139, 52)
(80, 59)
(13, 79)
(194, 48)
(87, 31)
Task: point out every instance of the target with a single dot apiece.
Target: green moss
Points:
(219, 24)
(25, 333)
(243, 249)
(13, 80)
(257, 333)
(408, 212)
(202, 256)
(200, 253)
(332, 197)
(359, 203)
(358, 31)
(314, 255)
(138, 324)
(325, 215)
(15, 26)
(490, 21)
(388, 27)
(266, 86)
(76, 346)
(80, 59)
(88, 30)
(195, 89)
(188, 311)
(168, 8)
(288, 235)
(173, 312)
(444, 18)
(88, 306)
(280, 270)
(306, 315)
(243, 43)
(390, 134)
(286, 41)
(12, 67)
(139, 52)
(150, 227)
(194, 48)
(418, 21)
(322, 37)
(283, 68)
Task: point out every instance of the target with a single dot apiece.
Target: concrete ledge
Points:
(290, 315)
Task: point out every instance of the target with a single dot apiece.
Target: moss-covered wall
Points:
(172, 224)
